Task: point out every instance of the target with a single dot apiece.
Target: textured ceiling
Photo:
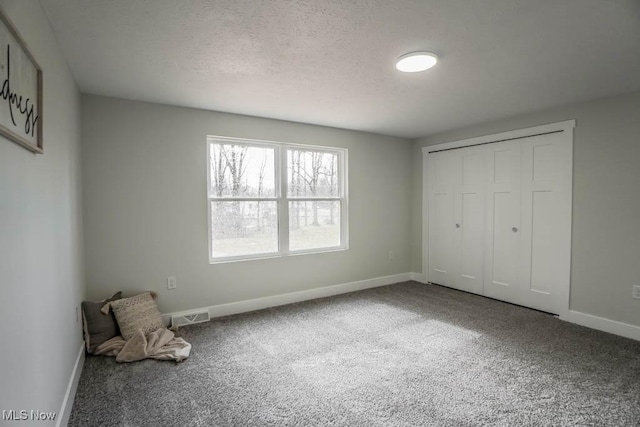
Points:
(331, 62)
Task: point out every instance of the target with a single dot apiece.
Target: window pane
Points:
(241, 171)
(314, 224)
(243, 228)
(312, 174)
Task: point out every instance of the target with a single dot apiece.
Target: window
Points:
(271, 199)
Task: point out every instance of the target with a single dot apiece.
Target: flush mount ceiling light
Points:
(416, 61)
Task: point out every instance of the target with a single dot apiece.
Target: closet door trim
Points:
(565, 127)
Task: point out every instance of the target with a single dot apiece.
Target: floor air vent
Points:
(185, 319)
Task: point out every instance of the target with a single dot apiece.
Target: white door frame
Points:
(566, 127)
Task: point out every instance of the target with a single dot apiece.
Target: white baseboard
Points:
(418, 277)
(69, 396)
(588, 320)
(602, 324)
(289, 298)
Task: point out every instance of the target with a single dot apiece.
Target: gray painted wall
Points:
(145, 207)
(606, 200)
(40, 236)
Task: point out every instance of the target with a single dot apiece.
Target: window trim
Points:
(281, 196)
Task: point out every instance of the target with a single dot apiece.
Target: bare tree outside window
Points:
(241, 224)
(246, 192)
(314, 187)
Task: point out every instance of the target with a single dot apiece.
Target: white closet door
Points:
(456, 218)
(529, 222)
(499, 216)
(442, 169)
(469, 191)
(502, 266)
(546, 221)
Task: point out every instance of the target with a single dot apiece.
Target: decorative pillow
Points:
(138, 312)
(98, 327)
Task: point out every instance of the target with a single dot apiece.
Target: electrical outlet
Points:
(392, 255)
(635, 293)
(172, 283)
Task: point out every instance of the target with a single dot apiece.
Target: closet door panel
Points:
(539, 245)
(440, 252)
(505, 241)
(545, 221)
(470, 218)
(442, 173)
(502, 267)
(472, 236)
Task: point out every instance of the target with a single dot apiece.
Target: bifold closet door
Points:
(500, 220)
(528, 243)
(546, 221)
(456, 218)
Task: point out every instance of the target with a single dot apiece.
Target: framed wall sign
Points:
(20, 89)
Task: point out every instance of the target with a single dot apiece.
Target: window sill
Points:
(226, 260)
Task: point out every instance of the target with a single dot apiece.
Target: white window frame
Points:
(281, 198)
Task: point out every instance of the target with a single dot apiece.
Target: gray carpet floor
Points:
(402, 355)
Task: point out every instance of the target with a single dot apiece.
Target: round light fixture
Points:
(416, 61)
